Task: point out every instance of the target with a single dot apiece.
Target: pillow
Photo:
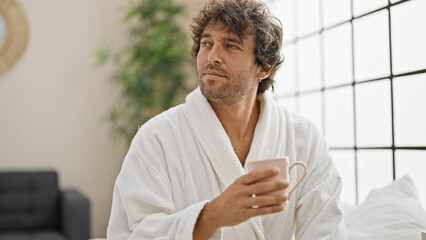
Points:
(393, 212)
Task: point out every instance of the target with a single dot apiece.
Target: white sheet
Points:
(393, 212)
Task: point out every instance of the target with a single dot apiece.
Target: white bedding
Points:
(393, 212)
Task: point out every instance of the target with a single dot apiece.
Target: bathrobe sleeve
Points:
(143, 201)
(318, 212)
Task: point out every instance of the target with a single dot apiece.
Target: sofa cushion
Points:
(42, 235)
(29, 200)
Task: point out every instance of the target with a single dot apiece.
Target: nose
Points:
(215, 56)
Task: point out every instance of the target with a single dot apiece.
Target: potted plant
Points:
(151, 68)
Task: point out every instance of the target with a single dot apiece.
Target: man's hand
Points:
(236, 204)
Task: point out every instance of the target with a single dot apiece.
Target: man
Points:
(184, 176)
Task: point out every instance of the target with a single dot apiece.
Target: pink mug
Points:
(285, 168)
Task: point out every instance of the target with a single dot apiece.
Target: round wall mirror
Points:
(13, 33)
(3, 30)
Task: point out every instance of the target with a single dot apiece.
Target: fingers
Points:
(252, 212)
(235, 204)
(266, 187)
(257, 175)
(266, 200)
(261, 205)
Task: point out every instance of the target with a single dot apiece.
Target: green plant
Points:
(151, 69)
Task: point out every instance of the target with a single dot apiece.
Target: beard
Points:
(228, 90)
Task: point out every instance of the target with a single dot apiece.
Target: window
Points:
(357, 69)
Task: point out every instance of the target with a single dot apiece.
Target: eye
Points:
(232, 46)
(205, 44)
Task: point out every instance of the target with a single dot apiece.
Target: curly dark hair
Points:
(243, 17)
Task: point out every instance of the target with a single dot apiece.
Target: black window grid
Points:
(323, 89)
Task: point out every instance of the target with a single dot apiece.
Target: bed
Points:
(393, 212)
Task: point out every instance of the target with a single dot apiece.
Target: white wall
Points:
(52, 101)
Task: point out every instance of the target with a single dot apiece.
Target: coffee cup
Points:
(284, 167)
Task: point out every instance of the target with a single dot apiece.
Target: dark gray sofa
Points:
(33, 208)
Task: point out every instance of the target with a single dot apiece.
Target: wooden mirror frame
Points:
(17, 33)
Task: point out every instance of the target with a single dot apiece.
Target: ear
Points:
(262, 74)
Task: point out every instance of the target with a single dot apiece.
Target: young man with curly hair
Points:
(184, 176)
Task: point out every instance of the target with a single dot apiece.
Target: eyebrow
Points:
(229, 39)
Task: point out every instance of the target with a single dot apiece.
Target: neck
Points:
(239, 120)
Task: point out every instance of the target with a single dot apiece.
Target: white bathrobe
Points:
(182, 158)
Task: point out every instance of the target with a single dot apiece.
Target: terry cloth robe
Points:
(182, 158)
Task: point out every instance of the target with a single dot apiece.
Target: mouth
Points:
(213, 74)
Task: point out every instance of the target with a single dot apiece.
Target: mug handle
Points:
(300, 180)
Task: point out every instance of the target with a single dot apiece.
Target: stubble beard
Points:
(229, 91)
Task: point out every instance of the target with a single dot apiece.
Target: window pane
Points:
(284, 10)
(337, 55)
(363, 6)
(374, 170)
(409, 36)
(308, 16)
(371, 43)
(413, 163)
(309, 70)
(344, 160)
(339, 124)
(336, 11)
(285, 77)
(373, 114)
(410, 110)
(311, 108)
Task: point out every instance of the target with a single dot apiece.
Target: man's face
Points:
(226, 66)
